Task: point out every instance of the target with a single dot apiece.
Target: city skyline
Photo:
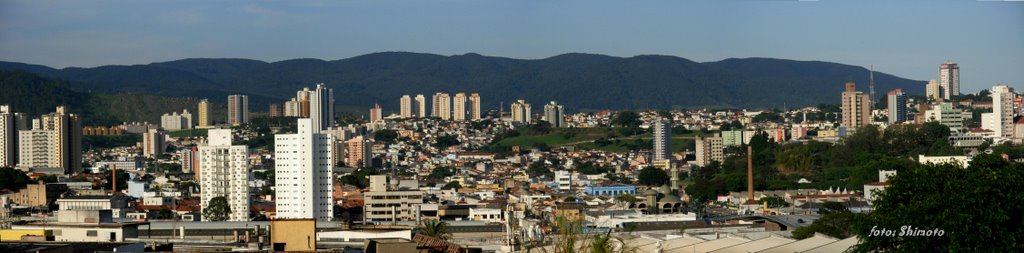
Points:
(902, 38)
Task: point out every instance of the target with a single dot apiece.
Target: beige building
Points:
(442, 106)
(856, 107)
(474, 106)
(293, 235)
(204, 114)
(35, 195)
(238, 109)
(390, 202)
(709, 149)
(459, 107)
(521, 112)
(154, 142)
(359, 150)
(933, 91)
(405, 107)
(421, 106)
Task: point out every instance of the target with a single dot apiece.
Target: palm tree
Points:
(435, 228)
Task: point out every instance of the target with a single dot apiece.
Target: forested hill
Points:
(35, 95)
(580, 81)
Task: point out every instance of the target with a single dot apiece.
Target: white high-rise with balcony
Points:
(302, 167)
(1002, 110)
(225, 173)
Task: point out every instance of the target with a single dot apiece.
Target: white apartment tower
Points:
(1002, 110)
(238, 109)
(554, 113)
(321, 107)
(474, 106)
(662, 139)
(459, 107)
(421, 106)
(405, 107)
(442, 106)
(225, 173)
(521, 112)
(949, 79)
(302, 167)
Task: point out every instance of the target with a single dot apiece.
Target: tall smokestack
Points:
(113, 182)
(750, 174)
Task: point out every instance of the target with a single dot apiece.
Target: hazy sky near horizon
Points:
(905, 38)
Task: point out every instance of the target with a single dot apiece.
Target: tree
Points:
(165, 213)
(627, 119)
(122, 180)
(440, 173)
(47, 178)
(652, 176)
(539, 169)
(838, 225)
(435, 228)
(446, 141)
(978, 209)
(12, 179)
(774, 202)
(626, 198)
(217, 210)
(385, 135)
(454, 185)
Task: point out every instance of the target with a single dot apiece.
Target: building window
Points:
(90, 233)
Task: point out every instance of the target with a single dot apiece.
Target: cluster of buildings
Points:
(314, 177)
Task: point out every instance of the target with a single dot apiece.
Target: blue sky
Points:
(905, 38)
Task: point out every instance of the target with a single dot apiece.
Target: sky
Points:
(905, 38)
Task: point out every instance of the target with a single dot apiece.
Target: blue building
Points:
(613, 190)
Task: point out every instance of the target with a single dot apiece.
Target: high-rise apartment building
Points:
(856, 107)
(709, 149)
(204, 114)
(302, 167)
(36, 148)
(225, 173)
(189, 160)
(360, 152)
(421, 106)
(174, 121)
(55, 141)
(933, 91)
(405, 107)
(732, 138)
(238, 109)
(521, 112)
(302, 98)
(292, 108)
(1002, 110)
(442, 106)
(321, 107)
(554, 113)
(897, 105)
(154, 142)
(376, 113)
(459, 107)
(275, 111)
(10, 124)
(474, 106)
(949, 79)
(662, 129)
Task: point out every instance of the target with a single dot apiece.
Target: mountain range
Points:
(579, 81)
